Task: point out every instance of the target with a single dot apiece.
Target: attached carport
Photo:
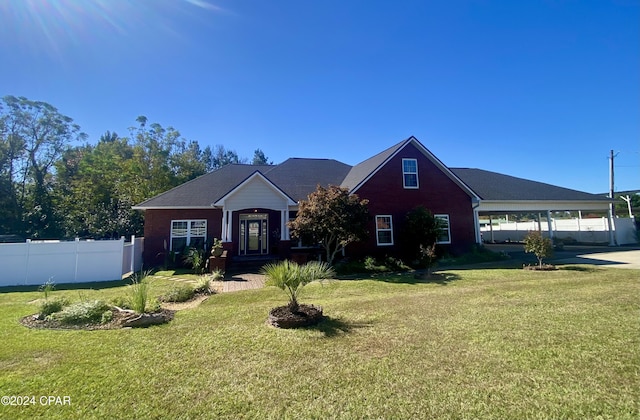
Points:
(503, 194)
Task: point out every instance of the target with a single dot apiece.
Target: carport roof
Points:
(499, 187)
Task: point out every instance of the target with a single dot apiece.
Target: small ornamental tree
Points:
(333, 218)
(422, 230)
(542, 247)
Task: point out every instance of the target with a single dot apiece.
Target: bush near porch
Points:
(475, 344)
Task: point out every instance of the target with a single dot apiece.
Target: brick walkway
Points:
(243, 282)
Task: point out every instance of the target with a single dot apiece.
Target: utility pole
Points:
(612, 239)
(611, 207)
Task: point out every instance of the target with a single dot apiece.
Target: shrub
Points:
(195, 257)
(82, 312)
(542, 247)
(384, 266)
(347, 266)
(121, 302)
(217, 274)
(178, 294)
(203, 285)
(49, 307)
(370, 264)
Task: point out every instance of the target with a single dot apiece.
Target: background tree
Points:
(333, 218)
(34, 136)
(259, 158)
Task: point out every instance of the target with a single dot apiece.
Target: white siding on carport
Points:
(256, 193)
(540, 206)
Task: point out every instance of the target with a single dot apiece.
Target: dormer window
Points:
(410, 173)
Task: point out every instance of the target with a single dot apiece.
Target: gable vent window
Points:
(188, 233)
(384, 230)
(410, 173)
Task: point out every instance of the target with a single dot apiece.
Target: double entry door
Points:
(253, 234)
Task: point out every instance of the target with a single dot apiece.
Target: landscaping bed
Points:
(120, 319)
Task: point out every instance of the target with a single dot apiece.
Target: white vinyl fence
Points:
(36, 262)
(580, 230)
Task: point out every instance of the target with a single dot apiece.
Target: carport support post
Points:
(491, 229)
(550, 225)
(612, 238)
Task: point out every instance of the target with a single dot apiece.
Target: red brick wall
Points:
(157, 229)
(436, 192)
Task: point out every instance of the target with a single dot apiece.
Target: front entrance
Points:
(253, 234)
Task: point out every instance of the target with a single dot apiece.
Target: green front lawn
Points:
(503, 344)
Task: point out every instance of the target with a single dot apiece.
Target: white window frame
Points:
(390, 230)
(189, 234)
(445, 218)
(405, 173)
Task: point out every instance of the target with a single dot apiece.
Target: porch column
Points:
(229, 226)
(223, 230)
(550, 225)
(284, 229)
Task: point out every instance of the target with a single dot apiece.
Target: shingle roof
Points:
(494, 186)
(206, 189)
(361, 171)
(299, 177)
(296, 177)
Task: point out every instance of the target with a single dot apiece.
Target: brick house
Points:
(248, 206)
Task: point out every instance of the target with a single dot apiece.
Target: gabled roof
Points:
(296, 178)
(494, 186)
(205, 190)
(363, 171)
(254, 175)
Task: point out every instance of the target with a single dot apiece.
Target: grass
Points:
(474, 344)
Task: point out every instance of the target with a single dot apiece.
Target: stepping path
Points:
(235, 283)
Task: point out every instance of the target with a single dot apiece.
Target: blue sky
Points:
(535, 89)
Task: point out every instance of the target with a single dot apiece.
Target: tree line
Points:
(50, 188)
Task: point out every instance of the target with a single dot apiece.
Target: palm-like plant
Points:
(292, 277)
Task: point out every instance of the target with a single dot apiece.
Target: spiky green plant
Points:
(139, 291)
(48, 287)
(292, 277)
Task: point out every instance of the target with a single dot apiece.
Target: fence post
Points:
(26, 269)
(133, 253)
(75, 271)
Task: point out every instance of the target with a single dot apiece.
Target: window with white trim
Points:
(384, 230)
(410, 173)
(187, 233)
(445, 232)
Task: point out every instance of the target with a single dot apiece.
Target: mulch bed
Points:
(306, 315)
(545, 267)
(119, 320)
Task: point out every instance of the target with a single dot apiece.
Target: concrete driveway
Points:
(603, 256)
(616, 259)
